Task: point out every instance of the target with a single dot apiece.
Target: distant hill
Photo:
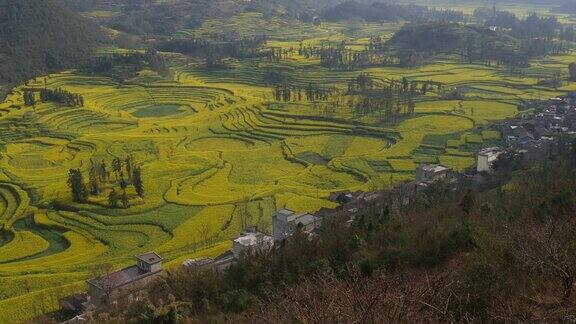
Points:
(146, 17)
(533, 36)
(37, 37)
(387, 11)
(153, 18)
(568, 7)
(444, 38)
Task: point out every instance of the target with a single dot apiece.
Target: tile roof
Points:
(307, 219)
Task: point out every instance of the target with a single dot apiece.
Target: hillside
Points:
(529, 38)
(444, 38)
(41, 36)
(145, 17)
(386, 12)
(506, 255)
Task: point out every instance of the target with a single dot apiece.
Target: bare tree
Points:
(204, 233)
(105, 281)
(549, 249)
(244, 213)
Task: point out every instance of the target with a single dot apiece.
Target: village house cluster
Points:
(124, 284)
(533, 136)
(536, 135)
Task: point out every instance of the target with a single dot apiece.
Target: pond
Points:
(158, 111)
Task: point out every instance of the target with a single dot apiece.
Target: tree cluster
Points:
(122, 66)
(366, 95)
(125, 173)
(29, 98)
(390, 100)
(62, 97)
(341, 57)
(275, 54)
(215, 50)
(77, 186)
(312, 92)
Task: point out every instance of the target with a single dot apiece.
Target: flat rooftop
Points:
(434, 168)
(119, 278)
(490, 151)
(252, 239)
(150, 258)
(197, 262)
(307, 219)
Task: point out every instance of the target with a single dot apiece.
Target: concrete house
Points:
(286, 222)
(486, 159)
(251, 241)
(431, 172)
(342, 197)
(198, 264)
(114, 286)
(220, 264)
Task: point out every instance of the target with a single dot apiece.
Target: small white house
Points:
(149, 262)
(486, 159)
(252, 241)
(431, 172)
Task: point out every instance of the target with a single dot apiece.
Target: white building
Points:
(251, 241)
(197, 263)
(486, 159)
(111, 287)
(431, 172)
(286, 222)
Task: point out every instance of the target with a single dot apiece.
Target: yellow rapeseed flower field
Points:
(215, 148)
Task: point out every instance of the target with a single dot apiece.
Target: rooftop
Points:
(119, 278)
(150, 258)
(434, 168)
(307, 219)
(490, 151)
(197, 262)
(253, 238)
(286, 212)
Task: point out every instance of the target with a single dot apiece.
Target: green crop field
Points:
(215, 148)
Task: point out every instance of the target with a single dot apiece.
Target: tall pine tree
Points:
(77, 186)
(137, 181)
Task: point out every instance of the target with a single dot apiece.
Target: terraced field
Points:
(212, 144)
